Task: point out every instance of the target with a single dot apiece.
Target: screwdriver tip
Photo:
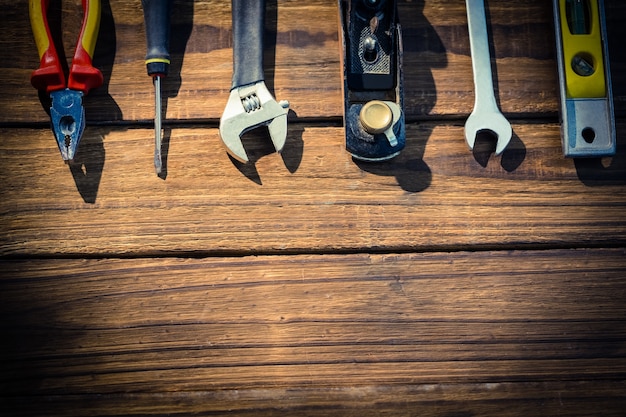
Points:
(158, 165)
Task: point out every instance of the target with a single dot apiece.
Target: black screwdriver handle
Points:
(156, 14)
(248, 27)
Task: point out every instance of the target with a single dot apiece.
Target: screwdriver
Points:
(156, 15)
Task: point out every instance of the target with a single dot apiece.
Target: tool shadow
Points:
(180, 31)
(88, 164)
(594, 172)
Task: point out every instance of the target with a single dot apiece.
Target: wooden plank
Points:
(459, 329)
(303, 66)
(464, 333)
(492, 399)
(436, 195)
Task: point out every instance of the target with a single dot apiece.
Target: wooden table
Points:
(444, 282)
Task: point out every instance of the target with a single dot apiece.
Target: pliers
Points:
(67, 113)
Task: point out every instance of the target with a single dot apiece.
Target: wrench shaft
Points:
(481, 58)
(248, 26)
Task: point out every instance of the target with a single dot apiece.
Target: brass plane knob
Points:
(376, 117)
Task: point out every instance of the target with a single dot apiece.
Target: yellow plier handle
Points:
(49, 76)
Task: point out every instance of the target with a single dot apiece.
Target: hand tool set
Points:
(371, 61)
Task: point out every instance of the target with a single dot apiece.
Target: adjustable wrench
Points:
(250, 103)
(486, 115)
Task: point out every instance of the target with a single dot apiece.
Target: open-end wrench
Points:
(250, 103)
(486, 115)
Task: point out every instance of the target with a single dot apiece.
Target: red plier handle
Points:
(83, 75)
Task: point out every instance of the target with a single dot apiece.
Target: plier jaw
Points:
(67, 115)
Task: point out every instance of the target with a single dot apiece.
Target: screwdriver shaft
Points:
(157, 124)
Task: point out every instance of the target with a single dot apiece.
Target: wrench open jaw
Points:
(488, 121)
(249, 107)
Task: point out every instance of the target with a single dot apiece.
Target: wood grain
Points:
(483, 326)
(442, 283)
(493, 399)
(436, 195)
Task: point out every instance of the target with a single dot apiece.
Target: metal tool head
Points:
(494, 122)
(68, 120)
(249, 107)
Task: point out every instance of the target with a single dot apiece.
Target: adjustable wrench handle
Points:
(248, 27)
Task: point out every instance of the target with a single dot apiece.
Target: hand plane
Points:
(371, 54)
(587, 120)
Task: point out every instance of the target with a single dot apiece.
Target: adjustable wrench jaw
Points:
(249, 107)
